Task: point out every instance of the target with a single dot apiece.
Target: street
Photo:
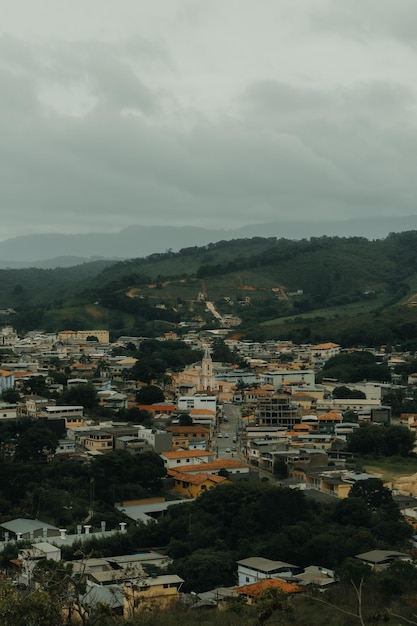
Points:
(226, 445)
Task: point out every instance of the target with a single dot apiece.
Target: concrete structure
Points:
(278, 411)
(102, 335)
(288, 377)
(256, 568)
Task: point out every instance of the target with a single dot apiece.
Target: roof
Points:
(22, 525)
(195, 428)
(381, 556)
(258, 588)
(330, 417)
(185, 454)
(197, 479)
(262, 564)
(212, 466)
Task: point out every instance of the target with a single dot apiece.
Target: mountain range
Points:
(59, 250)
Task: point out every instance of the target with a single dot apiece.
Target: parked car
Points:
(228, 450)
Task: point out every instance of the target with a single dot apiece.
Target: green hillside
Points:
(325, 287)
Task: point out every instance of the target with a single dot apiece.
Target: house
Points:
(286, 377)
(6, 380)
(96, 440)
(381, 559)
(183, 457)
(161, 591)
(255, 568)
(22, 528)
(159, 440)
(73, 415)
(195, 432)
(234, 468)
(191, 485)
(255, 590)
(147, 510)
(324, 351)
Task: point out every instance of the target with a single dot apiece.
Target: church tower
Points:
(207, 378)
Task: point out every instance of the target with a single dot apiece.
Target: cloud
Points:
(368, 19)
(207, 124)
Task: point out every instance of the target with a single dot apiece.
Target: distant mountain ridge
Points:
(59, 250)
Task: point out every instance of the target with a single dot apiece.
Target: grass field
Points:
(388, 468)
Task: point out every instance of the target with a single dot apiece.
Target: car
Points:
(234, 439)
(234, 449)
(228, 450)
(225, 418)
(219, 436)
(226, 434)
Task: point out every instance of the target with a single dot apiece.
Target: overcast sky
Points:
(215, 113)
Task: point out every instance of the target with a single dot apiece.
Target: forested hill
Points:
(262, 280)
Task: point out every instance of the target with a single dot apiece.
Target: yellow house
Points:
(192, 485)
(158, 592)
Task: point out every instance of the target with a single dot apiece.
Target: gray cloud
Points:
(365, 19)
(99, 134)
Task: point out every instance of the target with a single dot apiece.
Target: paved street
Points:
(226, 443)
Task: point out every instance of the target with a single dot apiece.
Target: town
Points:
(118, 443)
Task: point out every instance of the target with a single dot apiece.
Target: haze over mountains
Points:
(60, 250)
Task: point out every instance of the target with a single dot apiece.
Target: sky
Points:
(219, 114)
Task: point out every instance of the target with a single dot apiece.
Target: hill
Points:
(331, 287)
(48, 250)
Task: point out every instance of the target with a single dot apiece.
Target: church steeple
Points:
(207, 377)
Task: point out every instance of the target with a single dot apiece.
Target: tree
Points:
(280, 469)
(185, 419)
(84, 395)
(393, 440)
(344, 392)
(10, 395)
(35, 444)
(34, 607)
(372, 492)
(151, 394)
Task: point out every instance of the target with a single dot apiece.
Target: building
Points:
(287, 377)
(161, 591)
(256, 568)
(192, 485)
(198, 401)
(184, 457)
(278, 411)
(102, 336)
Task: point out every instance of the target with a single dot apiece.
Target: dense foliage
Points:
(351, 367)
(283, 279)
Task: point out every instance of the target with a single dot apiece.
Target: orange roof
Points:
(5, 373)
(22, 374)
(195, 428)
(202, 412)
(256, 589)
(197, 479)
(331, 416)
(156, 407)
(325, 346)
